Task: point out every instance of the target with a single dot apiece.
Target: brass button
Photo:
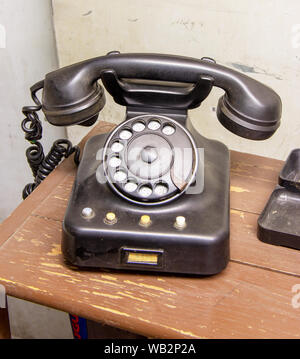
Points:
(145, 220)
(110, 218)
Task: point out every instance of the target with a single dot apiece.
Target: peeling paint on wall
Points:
(253, 69)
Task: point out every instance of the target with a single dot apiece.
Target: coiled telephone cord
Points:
(41, 165)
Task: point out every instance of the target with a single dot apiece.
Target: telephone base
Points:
(124, 241)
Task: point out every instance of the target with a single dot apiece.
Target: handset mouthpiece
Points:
(260, 127)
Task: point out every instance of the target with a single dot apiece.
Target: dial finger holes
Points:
(130, 186)
(115, 161)
(125, 134)
(138, 126)
(161, 189)
(117, 147)
(168, 130)
(120, 176)
(153, 125)
(145, 191)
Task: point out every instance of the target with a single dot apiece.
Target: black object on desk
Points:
(279, 223)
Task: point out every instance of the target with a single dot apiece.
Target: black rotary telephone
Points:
(153, 194)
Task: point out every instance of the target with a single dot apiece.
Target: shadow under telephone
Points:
(133, 205)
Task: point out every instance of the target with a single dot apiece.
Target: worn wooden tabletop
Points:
(251, 298)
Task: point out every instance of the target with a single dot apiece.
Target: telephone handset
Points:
(153, 194)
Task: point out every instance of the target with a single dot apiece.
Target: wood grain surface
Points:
(251, 298)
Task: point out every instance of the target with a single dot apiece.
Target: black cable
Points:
(40, 164)
(60, 148)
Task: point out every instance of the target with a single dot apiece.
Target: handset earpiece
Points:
(71, 97)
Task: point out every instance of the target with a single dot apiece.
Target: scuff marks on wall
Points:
(253, 69)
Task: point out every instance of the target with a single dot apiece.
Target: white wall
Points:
(260, 38)
(27, 52)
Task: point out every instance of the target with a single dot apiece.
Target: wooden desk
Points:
(251, 298)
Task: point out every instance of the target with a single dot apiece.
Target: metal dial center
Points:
(149, 154)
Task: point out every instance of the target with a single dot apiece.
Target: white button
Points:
(120, 176)
(180, 222)
(145, 191)
(153, 125)
(117, 147)
(161, 189)
(130, 186)
(168, 130)
(125, 134)
(138, 127)
(115, 162)
(87, 212)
